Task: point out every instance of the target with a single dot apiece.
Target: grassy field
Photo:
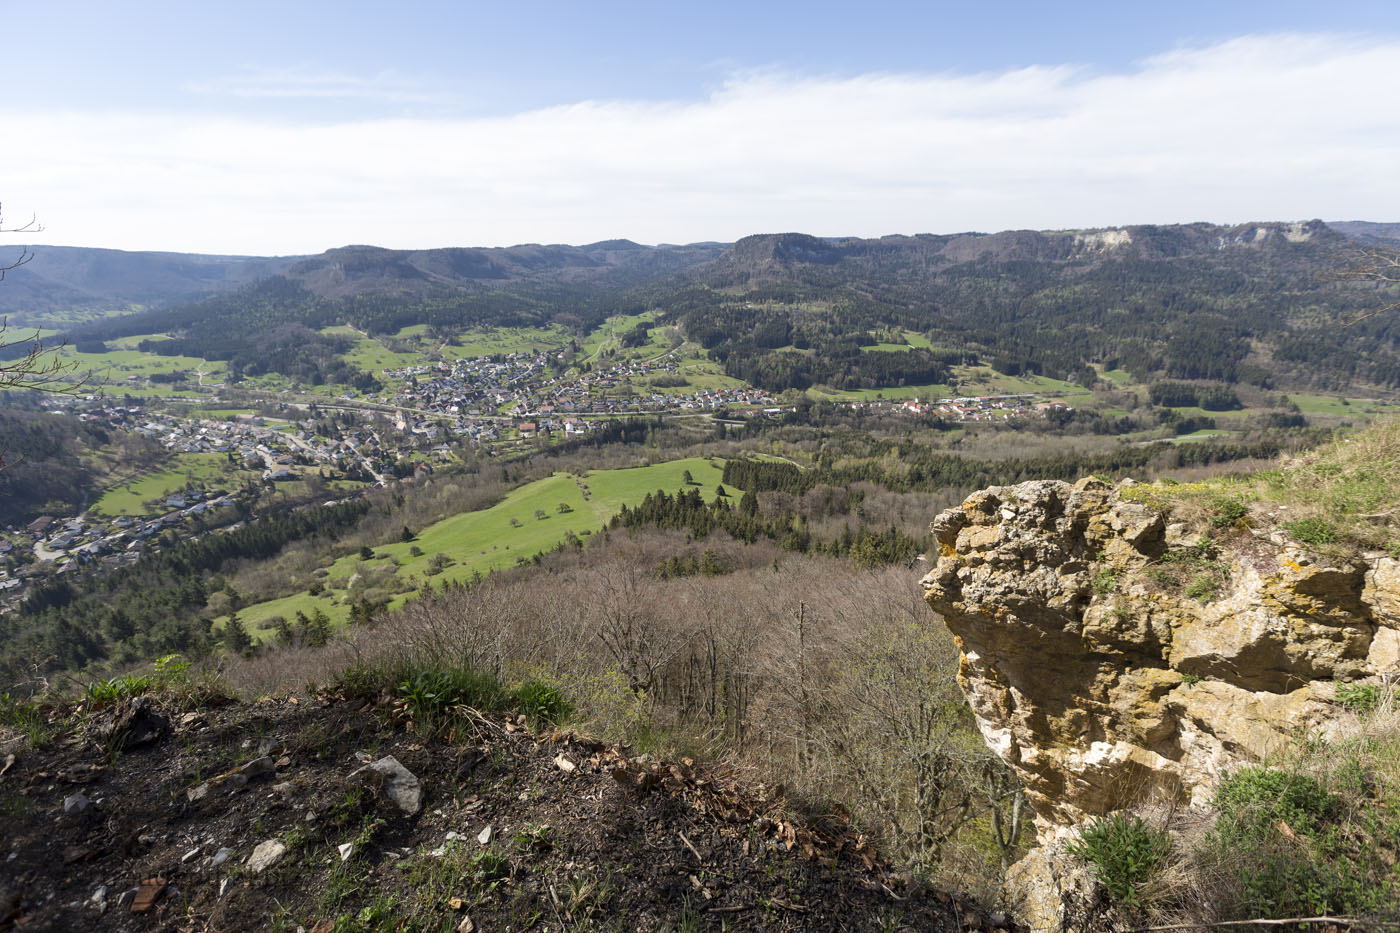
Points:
(1334, 405)
(124, 369)
(605, 336)
(219, 413)
(912, 341)
(506, 340)
(935, 390)
(129, 498)
(983, 380)
(483, 541)
(1119, 377)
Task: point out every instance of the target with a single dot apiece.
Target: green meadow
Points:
(912, 341)
(129, 498)
(1334, 405)
(527, 522)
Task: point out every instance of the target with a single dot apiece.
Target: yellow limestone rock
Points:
(1102, 689)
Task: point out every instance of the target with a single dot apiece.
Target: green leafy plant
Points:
(1105, 582)
(434, 699)
(1314, 532)
(1125, 851)
(106, 692)
(1359, 698)
(1227, 512)
(1293, 848)
(543, 702)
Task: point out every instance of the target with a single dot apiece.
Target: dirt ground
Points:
(143, 816)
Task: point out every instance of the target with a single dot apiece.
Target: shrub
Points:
(1292, 848)
(1126, 853)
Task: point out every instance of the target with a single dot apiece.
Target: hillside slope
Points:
(146, 816)
(70, 279)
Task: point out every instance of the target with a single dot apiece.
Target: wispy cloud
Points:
(291, 83)
(1261, 127)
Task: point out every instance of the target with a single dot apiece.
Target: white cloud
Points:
(1270, 127)
(276, 83)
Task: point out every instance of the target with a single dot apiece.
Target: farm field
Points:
(125, 370)
(606, 335)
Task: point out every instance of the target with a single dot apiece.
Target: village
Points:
(522, 384)
(437, 409)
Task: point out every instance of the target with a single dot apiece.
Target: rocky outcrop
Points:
(1114, 658)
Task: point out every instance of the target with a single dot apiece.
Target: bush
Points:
(1295, 849)
(1126, 853)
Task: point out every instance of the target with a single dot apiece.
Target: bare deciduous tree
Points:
(1378, 265)
(25, 255)
(38, 366)
(28, 362)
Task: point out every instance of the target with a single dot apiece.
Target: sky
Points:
(263, 128)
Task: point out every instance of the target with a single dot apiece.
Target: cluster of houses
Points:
(475, 390)
(49, 545)
(983, 407)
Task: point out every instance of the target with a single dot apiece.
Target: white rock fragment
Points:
(395, 781)
(266, 855)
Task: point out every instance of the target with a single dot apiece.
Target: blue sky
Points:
(293, 127)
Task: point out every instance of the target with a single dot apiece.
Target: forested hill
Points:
(67, 279)
(1257, 303)
(365, 270)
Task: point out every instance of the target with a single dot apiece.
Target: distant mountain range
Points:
(73, 278)
(67, 278)
(1258, 302)
(77, 279)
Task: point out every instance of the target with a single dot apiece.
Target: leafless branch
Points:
(40, 367)
(1378, 265)
(33, 226)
